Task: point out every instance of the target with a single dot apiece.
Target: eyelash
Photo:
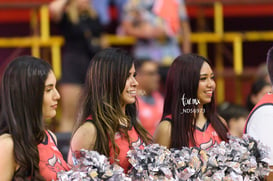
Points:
(134, 75)
(49, 89)
(204, 78)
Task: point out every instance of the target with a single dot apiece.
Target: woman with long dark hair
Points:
(28, 97)
(107, 121)
(189, 114)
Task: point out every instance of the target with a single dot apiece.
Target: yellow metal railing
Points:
(37, 40)
(45, 28)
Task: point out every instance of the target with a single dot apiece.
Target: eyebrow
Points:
(49, 85)
(206, 74)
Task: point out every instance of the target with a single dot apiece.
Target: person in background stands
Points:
(150, 101)
(80, 25)
(28, 93)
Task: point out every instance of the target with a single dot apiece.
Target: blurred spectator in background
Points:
(80, 25)
(258, 90)
(155, 24)
(102, 8)
(235, 116)
(262, 73)
(150, 101)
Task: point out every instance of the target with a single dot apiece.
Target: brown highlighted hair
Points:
(105, 82)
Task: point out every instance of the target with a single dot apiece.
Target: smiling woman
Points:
(189, 114)
(107, 122)
(28, 97)
(128, 95)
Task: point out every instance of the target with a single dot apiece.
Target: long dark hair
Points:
(183, 79)
(22, 90)
(105, 81)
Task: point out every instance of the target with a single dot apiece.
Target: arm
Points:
(270, 176)
(143, 30)
(7, 163)
(57, 8)
(185, 34)
(84, 138)
(185, 27)
(162, 134)
(104, 41)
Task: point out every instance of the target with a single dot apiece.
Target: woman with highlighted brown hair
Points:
(107, 121)
(189, 113)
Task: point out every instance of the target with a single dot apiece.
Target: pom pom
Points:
(91, 166)
(241, 159)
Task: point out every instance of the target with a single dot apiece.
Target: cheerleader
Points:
(28, 97)
(107, 121)
(189, 114)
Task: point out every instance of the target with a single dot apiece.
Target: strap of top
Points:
(167, 118)
(52, 137)
(205, 127)
(90, 120)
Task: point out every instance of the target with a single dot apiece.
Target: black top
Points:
(79, 37)
(45, 142)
